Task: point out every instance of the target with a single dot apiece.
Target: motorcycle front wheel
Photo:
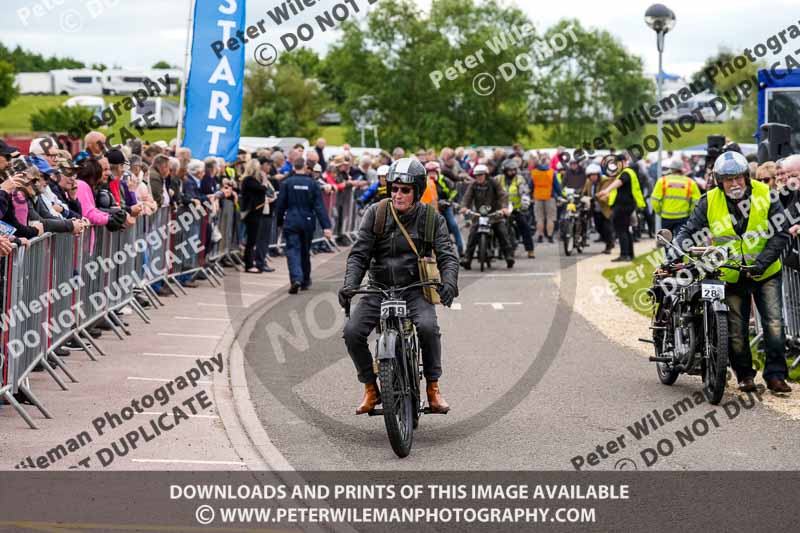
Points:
(398, 407)
(483, 251)
(568, 236)
(715, 365)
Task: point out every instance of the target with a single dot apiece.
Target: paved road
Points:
(532, 386)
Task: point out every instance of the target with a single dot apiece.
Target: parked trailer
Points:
(77, 82)
(34, 82)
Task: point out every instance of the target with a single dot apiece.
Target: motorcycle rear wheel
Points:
(666, 373)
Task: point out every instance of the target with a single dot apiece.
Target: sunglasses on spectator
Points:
(405, 189)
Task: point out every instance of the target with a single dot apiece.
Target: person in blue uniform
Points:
(299, 205)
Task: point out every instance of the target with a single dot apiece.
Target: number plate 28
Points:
(712, 291)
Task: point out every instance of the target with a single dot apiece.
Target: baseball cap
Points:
(6, 149)
(36, 147)
(115, 157)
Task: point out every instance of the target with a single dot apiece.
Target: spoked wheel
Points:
(666, 371)
(568, 237)
(715, 367)
(577, 237)
(398, 407)
(483, 251)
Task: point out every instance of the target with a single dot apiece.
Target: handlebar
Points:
(387, 293)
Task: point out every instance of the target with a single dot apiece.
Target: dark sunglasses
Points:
(405, 189)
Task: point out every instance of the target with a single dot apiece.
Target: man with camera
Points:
(742, 217)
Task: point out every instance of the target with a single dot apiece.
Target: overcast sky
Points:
(137, 33)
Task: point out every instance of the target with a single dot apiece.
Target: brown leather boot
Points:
(435, 400)
(372, 397)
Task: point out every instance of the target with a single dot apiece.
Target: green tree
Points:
(24, 61)
(279, 101)
(99, 66)
(305, 59)
(723, 55)
(8, 89)
(60, 118)
(582, 89)
(391, 59)
(161, 64)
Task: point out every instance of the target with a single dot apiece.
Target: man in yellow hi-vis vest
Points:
(674, 196)
(743, 218)
(624, 196)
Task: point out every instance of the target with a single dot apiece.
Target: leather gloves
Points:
(345, 297)
(447, 293)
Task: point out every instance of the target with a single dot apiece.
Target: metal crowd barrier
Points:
(61, 284)
(790, 292)
(228, 247)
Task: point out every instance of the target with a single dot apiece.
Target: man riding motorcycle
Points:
(486, 191)
(743, 218)
(382, 248)
(520, 196)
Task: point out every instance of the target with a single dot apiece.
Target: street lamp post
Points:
(661, 19)
(365, 119)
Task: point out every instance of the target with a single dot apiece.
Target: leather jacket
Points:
(390, 259)
(490, 193)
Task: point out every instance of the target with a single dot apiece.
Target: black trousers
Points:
(622, 222)
(603, 227)
(366, 316)
(499, 232)
(264, 237)
(673, 224)
(252, 223)
(524, 229)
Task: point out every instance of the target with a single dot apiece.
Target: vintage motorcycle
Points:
(574, 225)
(690, 317)
(484, 218)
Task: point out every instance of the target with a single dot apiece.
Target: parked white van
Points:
(77, 82)
(123, 81)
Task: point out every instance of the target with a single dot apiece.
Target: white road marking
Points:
(201, 318)
(511, 275)
(456, 307)
(275, 284)
(498, 306)
(133, 378)
(185, 462)
(153, 413)
(184, 355)
(189, 335)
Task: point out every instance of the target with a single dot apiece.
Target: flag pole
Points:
(182, 109)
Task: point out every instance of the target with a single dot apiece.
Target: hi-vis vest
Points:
(749, 245)
(674, 197)
(542, 184)
(512, 190)
(635, 189)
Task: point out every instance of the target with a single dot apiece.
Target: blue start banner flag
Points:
(215, 86)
